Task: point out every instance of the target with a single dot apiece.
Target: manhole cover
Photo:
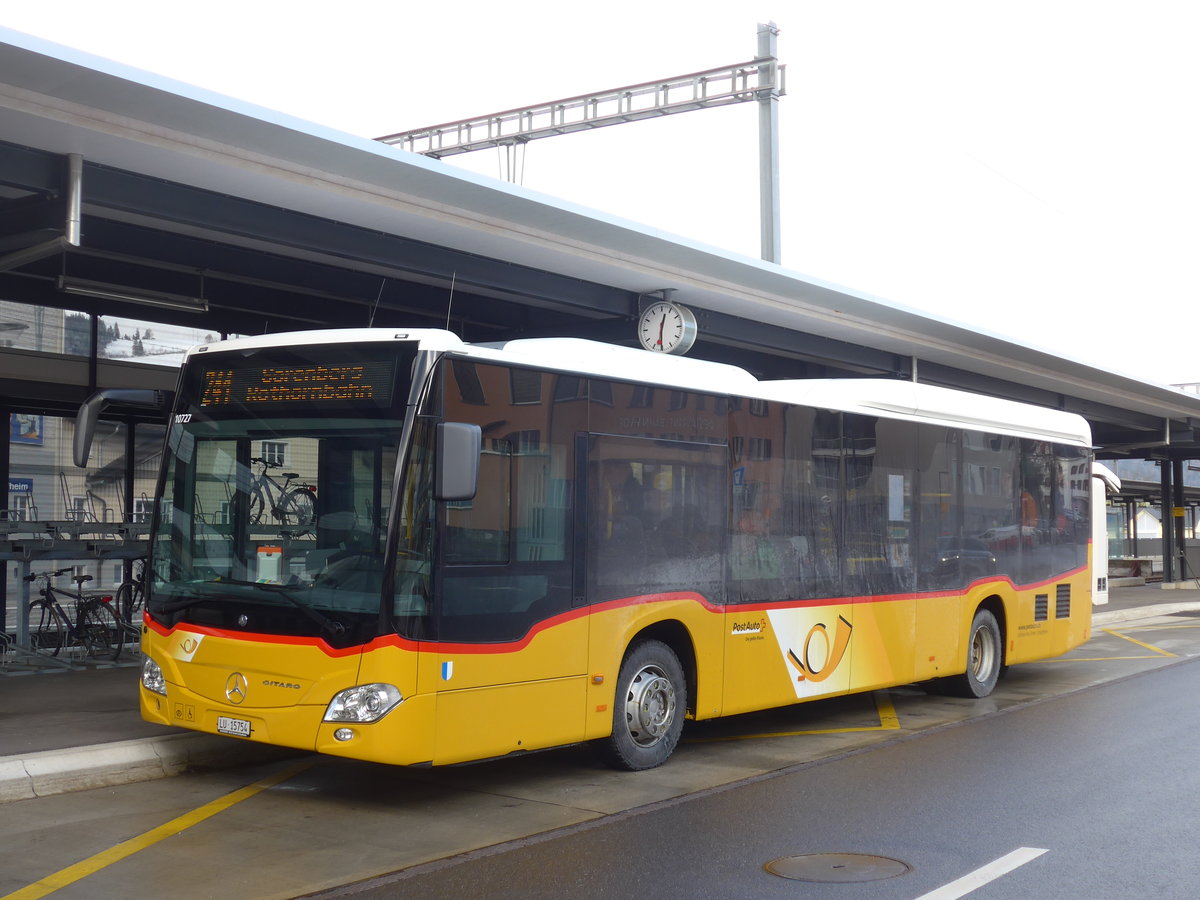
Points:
(837, 867)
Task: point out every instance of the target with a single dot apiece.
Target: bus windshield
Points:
(273, 511)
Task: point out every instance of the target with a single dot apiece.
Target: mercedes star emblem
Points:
(235, 688)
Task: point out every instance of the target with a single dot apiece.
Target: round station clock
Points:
(667, 327)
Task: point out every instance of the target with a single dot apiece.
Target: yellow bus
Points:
(503, 548)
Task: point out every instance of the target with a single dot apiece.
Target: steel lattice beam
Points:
(721, 86)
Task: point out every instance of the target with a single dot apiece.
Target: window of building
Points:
(21, 508)
(642, 397)
(760, 449)
(81, 510)
(526, 386)
(274, 453)
(470, 388)
(143, 508)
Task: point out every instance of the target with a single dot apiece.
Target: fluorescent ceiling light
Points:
(104, 291)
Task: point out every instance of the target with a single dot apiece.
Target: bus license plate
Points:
(235, 727)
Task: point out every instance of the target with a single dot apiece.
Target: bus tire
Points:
(985, 658)
(648, 709)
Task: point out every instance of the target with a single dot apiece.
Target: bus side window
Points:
(656, 512)
(504, 559)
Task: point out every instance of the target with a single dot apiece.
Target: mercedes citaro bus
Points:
(507, 547)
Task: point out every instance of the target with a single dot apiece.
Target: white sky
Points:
(1030, 167)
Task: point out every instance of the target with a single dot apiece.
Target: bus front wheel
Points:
(985, 658)
(648, 709)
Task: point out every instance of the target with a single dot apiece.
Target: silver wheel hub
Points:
(983, 653)
(649, 706)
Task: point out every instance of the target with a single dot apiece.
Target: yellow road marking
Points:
(64, 877)
(888, 721)
(1150, 647)
(1156, 651)
(1072, 659)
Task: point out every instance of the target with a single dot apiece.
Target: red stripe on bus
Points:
(403, 643)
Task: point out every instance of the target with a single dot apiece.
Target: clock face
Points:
(667, 328)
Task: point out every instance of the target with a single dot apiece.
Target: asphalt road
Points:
(1104, 780)
(1087, 758)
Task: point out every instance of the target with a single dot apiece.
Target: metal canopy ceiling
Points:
(278, 224)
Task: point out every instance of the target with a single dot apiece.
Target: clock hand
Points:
(661, 326)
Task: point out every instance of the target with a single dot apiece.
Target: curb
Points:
(1143, 612)
(123, 762)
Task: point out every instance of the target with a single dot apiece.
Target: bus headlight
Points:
(152, 677)
(363, 703)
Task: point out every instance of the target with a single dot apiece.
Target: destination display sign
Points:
(368, 382)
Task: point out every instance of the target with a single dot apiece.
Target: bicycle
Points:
(131, 597)
(94, 627)
(291, 503)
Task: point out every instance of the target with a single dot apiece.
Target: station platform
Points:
(66, 730)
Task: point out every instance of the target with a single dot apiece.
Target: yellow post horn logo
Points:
(835, 650)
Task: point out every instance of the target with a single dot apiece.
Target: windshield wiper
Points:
(328, 625)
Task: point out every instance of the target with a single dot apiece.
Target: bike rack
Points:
(32, 542)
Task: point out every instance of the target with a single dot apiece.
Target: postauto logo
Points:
(820, 653)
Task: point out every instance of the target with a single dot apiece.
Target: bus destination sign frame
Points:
(369, 382)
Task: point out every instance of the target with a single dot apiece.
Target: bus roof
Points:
(929, 403)
(893, 399)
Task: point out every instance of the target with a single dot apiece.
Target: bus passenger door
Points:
(879, 539)
(787, 559)
(654, 548)
(510, 646)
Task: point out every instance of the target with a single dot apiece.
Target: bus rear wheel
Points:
(648, 709)
(985, 658)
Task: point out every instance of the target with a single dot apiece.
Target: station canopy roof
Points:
(278, 224)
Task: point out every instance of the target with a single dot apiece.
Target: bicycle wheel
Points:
(128, 603)
(256, 506)
(99, 631)
(46, 630)
(297, 508)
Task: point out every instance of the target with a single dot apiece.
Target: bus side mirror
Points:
(458, 449)
(89, 414)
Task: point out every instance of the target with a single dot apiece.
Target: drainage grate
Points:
(831, 868)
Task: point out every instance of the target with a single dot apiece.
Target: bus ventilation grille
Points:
(1062, 604)
(1041, 607)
